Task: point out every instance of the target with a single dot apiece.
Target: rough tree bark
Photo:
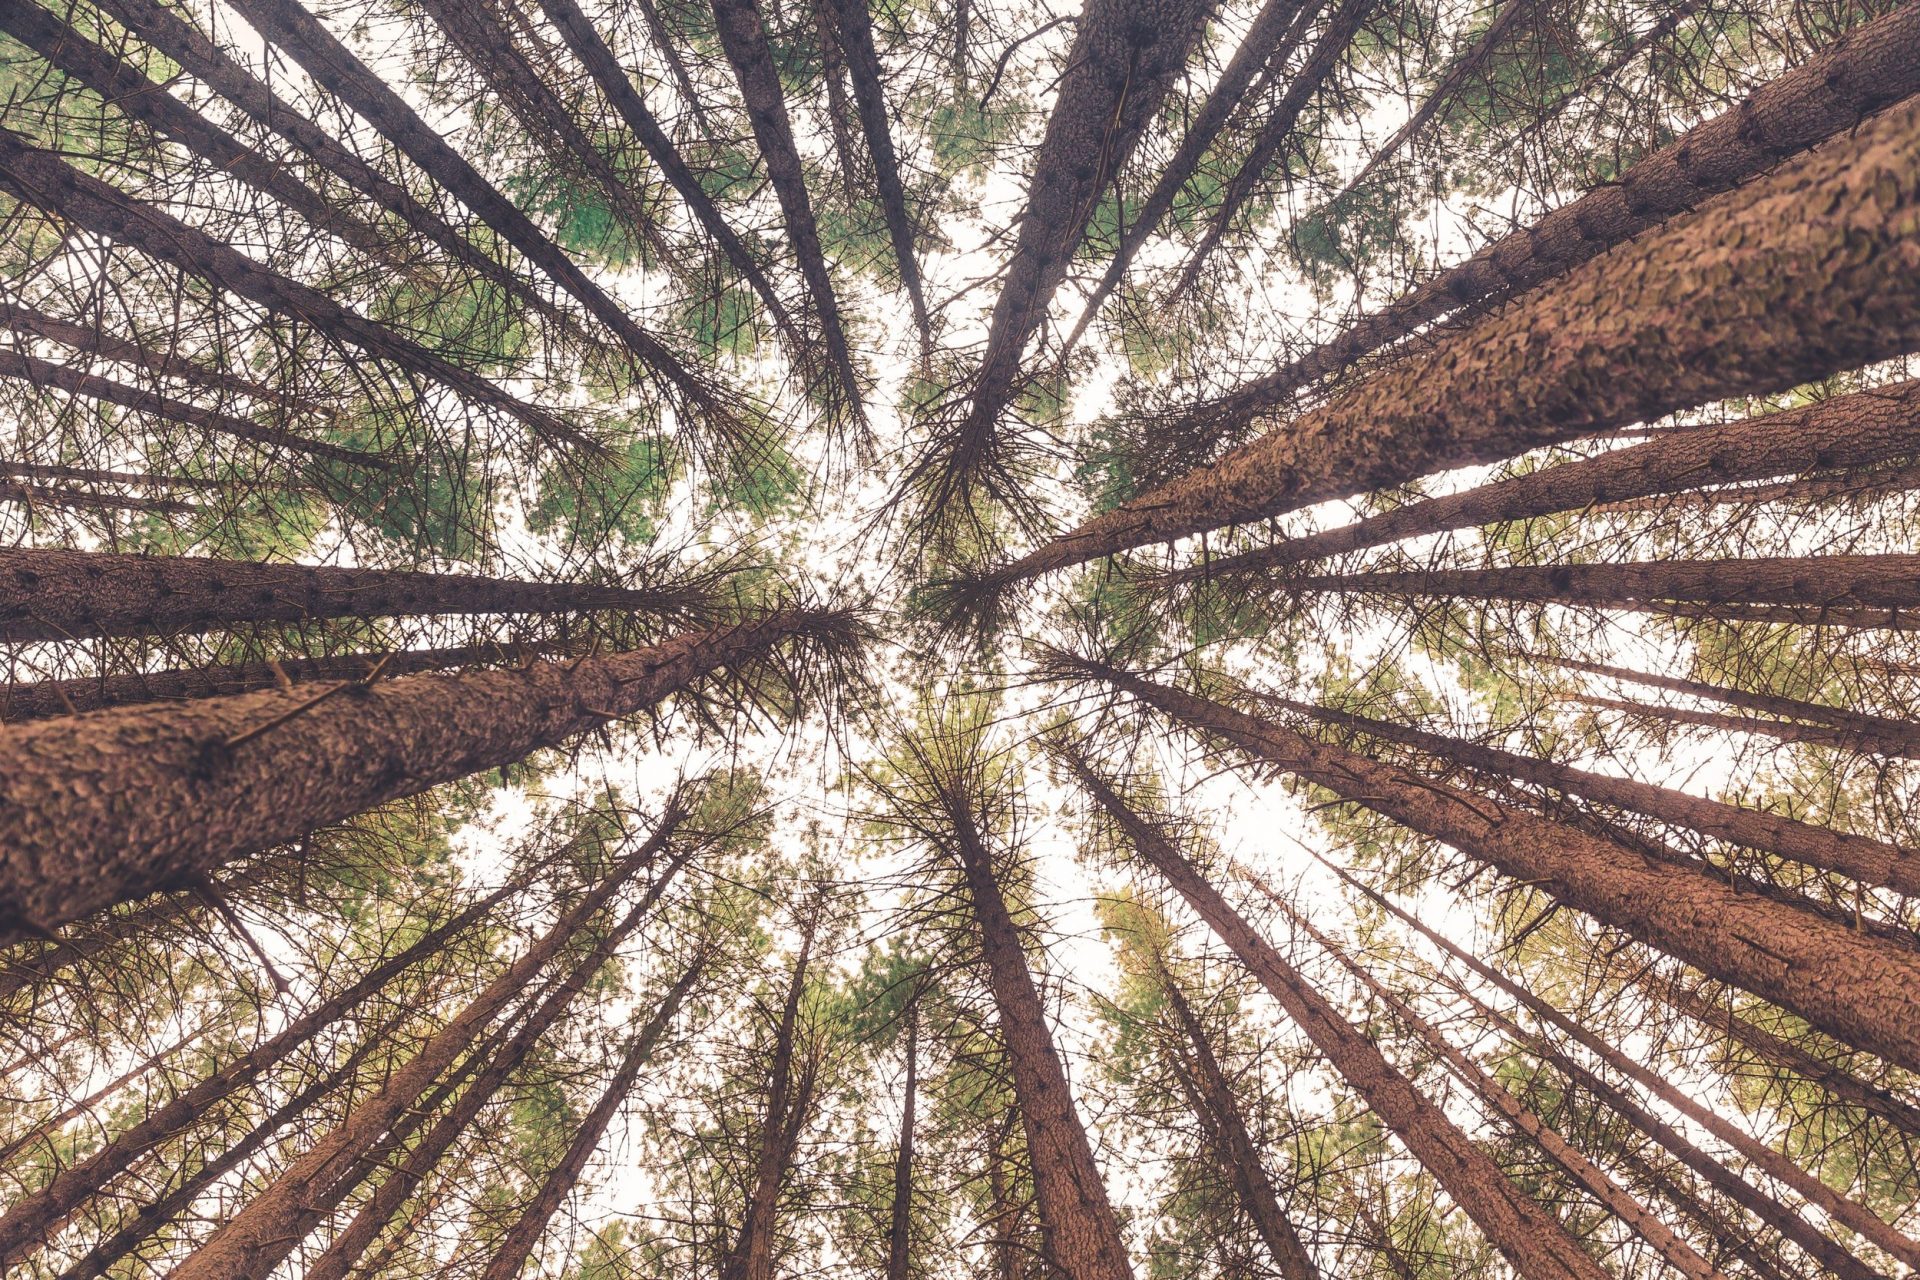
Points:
(743, 37)
(1870, 861)
(1858, 74)
(1807, 271)
(110, 805)
(44, 699)
(1774, 1164)
(49, 183)
(1234, 1145)
(36, 1216)
(1862, 989)
(1080, 1234)
(1845, 432)
(334, 66)
(52, 594)
(1536, 1245)
(517, 1245)
(253, 1241)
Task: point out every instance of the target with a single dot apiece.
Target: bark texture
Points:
(1863, 71)
(1525, 1234)
(51, 594)
(1862, 989)
(119, 802)
(1080, 1234)
(1810, 270)
(1846, 432)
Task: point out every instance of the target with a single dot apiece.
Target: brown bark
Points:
(1808, 271)
(124, 87)
(1863, 71)
(96, 476)
(1870, 485)
(334, 66)
(743, 36)
(37, 495)
(510, 1258)
(152, 1214)
(41, 700)
(255, 1240)
(1234, 1145)
(49, 183)
(592, 51)
(854, 26)
(1079, 1232)
(1844, 590)
(790, 1085)
(35, 1217)
(1530, 1238)
(1677, 1253)
(1870, 861)
(52, 594)
(108, 806)
(1781, 1052)
(162, 26)
(1276, 132)
(93, 340)
(1774, 1164)
(74, 382)
(1124, 56)
(1854, 729)
(1862, 989)
(1724, 722)
(340, 1255)
(1261, 56)
(1850, 431)
(900, 1215)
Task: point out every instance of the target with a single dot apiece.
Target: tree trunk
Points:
(140, 98)
(333, 65)
(37, 495)
(854, 26)
(592, 51)
(1261, 56)
(1725, 722)
(1775, 1165)
(1850, 431)
(152, 1214)
(1855, 729)
(52, 594)
(510, 1258)
(1734, 1238)
(1080, 1235)
(1276, 133)
(345, 1249)
(1675, 1252)
(1235, 1147)
(1813, 246)
(1860, 988)
(44, 180)
(900, 1217)
(108, 806)
(1124, 56)
(743, 36)
(1852, 590)
(255, 1240)
(162, 26)
(45, 699)
(1859, 74)
(35, 1218)
(74, 382)
(93, 340)
(1788, 1056)
(1530, 1238)
(789, 1106)
(1870, 861)
(96, 476)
